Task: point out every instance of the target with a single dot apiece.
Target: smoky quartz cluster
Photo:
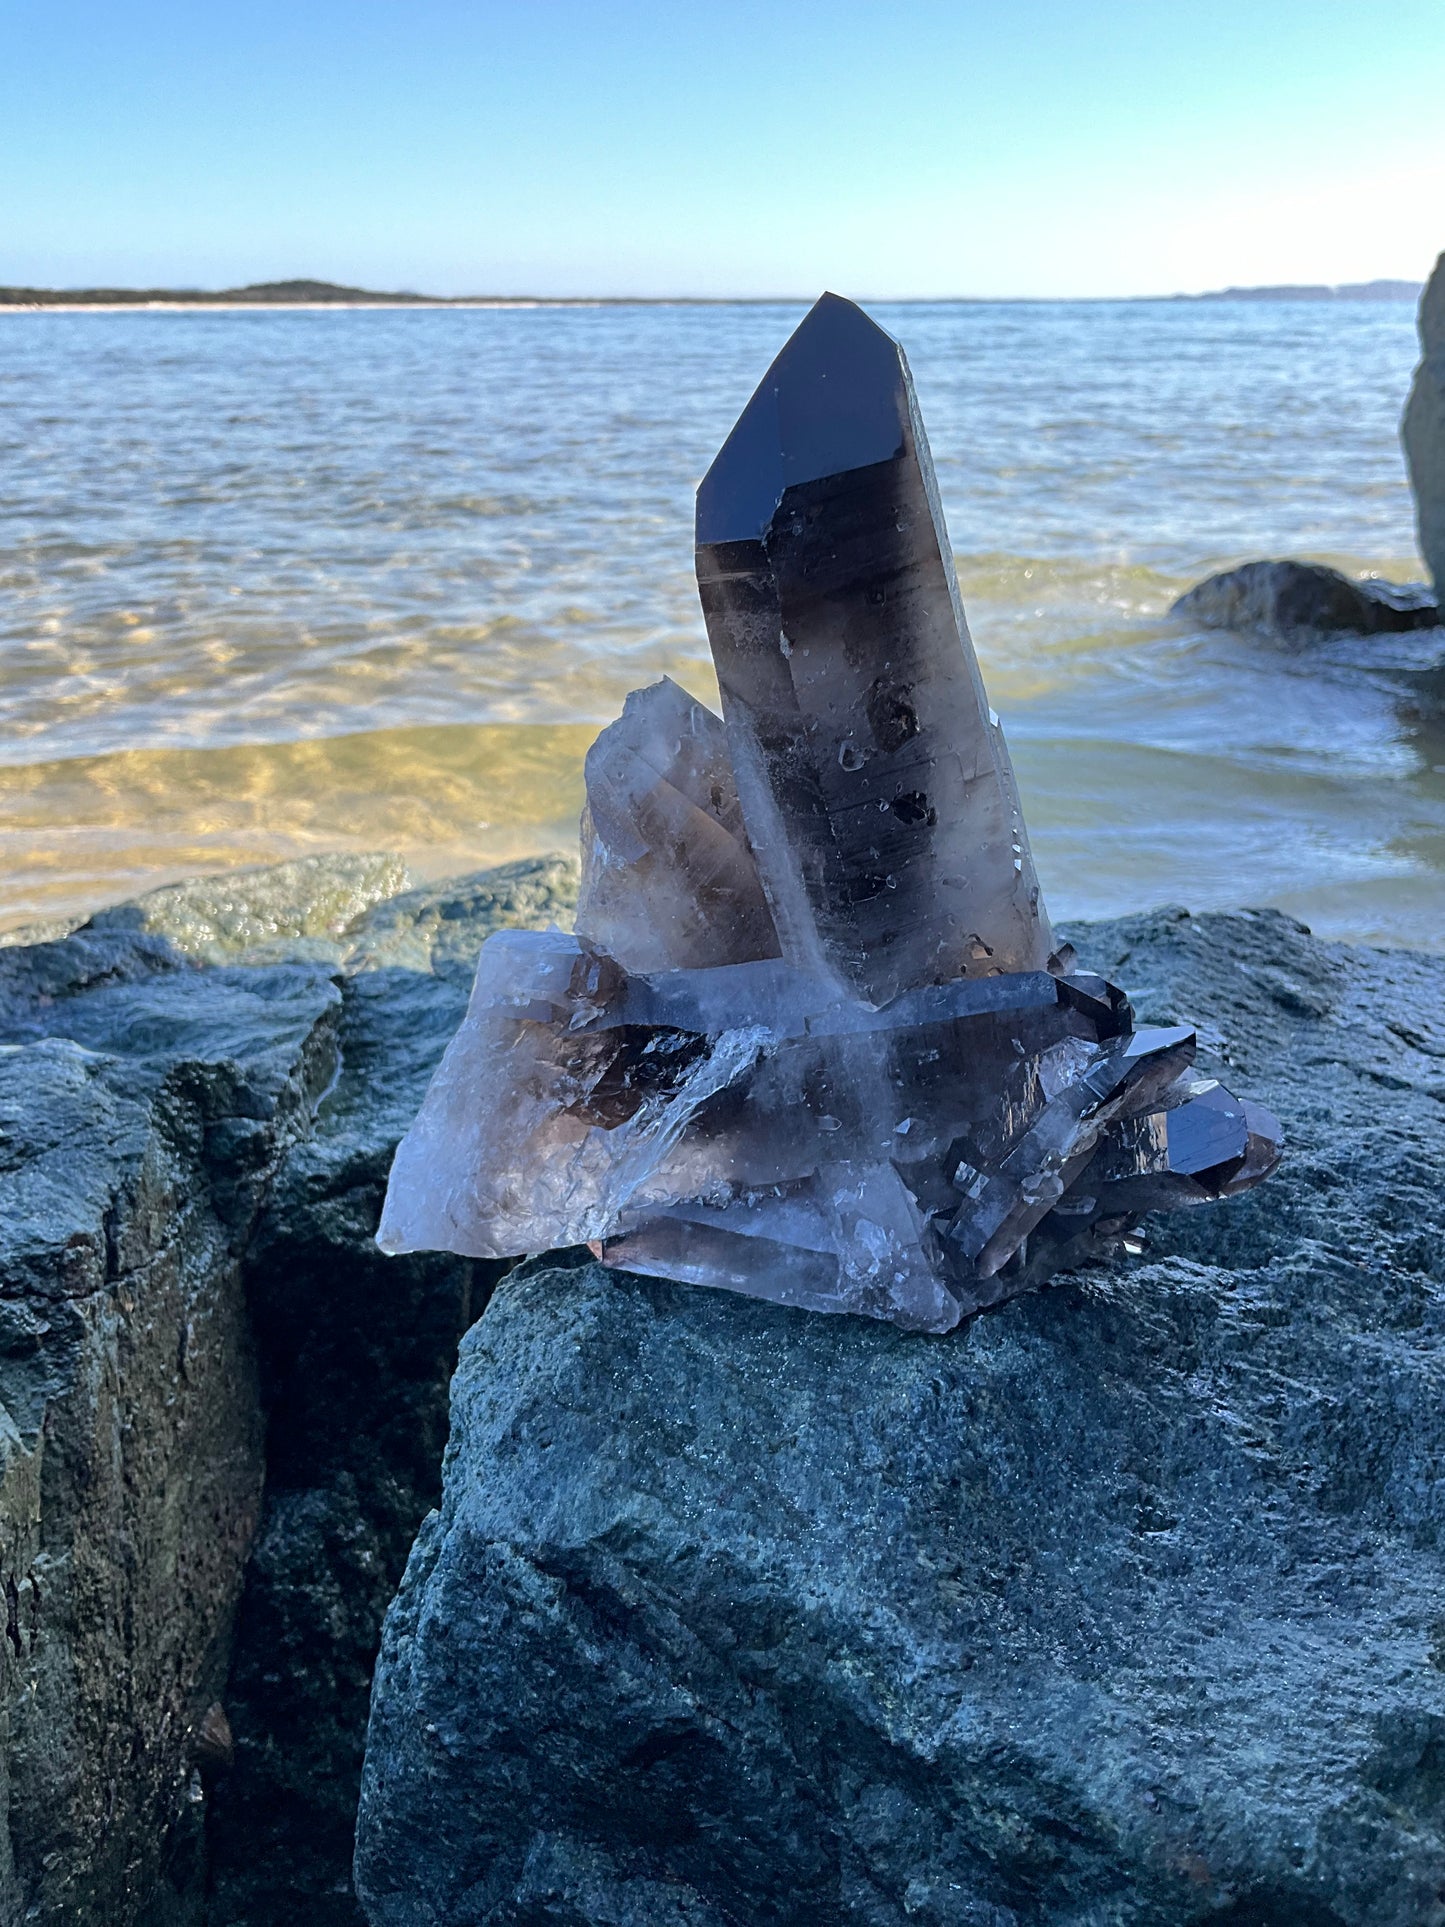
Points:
(813, 1039)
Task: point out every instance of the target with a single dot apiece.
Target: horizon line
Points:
(310, 294)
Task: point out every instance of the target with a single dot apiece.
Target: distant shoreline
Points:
(321, 297)
(77, 304)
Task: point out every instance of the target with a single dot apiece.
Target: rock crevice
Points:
(200, 1350)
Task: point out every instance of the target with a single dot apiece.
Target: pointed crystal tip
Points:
(835, 399)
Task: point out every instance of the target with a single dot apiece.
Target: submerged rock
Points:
(1423, 429)
(1120, 1606)
(1301, 599)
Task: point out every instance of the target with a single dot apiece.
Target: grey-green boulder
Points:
(1122, 1606)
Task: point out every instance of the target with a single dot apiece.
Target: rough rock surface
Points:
(186, 1272)
(143, 1107)
(1423, 429)
(356, 1354)
(1295, 600)
(1122, 1606)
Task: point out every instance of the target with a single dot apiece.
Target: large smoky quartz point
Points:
(873, 775)
(812, 1040)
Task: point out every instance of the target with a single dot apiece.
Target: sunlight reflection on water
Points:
(273, 583)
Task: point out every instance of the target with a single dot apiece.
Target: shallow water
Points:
(273, 583)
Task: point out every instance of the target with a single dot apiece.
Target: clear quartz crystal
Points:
(668, 877)
(811, 1041)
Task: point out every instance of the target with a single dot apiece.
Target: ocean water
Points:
(273, 583)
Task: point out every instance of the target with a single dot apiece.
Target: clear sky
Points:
(919, 148)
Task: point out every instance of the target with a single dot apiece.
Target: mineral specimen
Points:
(812, 1040)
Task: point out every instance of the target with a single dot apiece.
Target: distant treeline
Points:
(293, 294)
(260, 294)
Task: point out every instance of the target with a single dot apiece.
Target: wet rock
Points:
(1302, 599)
(1423, 429)
(1120, 1606)
(144, 1105)
(199, 1097)
(439, 928)
(291, 911)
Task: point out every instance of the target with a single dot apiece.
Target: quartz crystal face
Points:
(874, 778)
(812, 1040)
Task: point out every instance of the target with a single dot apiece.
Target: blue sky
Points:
(1042, 147)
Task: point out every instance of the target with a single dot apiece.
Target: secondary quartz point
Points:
(668, 877)
(812, 1040)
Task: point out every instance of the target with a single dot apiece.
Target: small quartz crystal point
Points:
(811, 1040)
(668, 876)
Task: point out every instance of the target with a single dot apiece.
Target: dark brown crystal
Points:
(873, 775)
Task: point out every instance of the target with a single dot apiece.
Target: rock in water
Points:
(813, 1041)
(1423, 429)
(1121, 1610)
(1295, 600)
